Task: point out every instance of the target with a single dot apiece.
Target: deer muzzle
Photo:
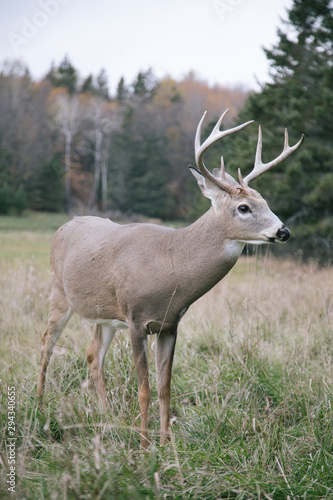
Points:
(283, 234)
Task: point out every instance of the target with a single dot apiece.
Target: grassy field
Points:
(252, 389)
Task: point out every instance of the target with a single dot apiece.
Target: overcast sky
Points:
(220, 40)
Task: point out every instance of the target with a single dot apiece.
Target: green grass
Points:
(252, 390)
(33, 221)
(27, 238)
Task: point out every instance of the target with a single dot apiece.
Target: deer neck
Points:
(204, 253)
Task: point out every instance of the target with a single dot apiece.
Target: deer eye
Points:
(244, 209)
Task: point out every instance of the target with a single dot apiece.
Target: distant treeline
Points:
(66, 144)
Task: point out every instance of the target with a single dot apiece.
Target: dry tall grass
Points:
(252, 392)
(285, 309)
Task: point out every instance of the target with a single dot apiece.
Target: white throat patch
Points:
(234, 248)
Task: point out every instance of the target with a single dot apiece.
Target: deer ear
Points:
(208, 189)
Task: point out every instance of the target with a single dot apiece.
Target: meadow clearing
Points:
(252, 389)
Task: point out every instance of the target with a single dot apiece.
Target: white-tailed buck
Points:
(144, 277)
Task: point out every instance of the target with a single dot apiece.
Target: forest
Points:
(67, 144)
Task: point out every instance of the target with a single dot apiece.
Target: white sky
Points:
(220, 40)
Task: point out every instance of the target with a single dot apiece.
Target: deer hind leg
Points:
(95, 356)
(140, 353)
(166, 343)
(59, 315)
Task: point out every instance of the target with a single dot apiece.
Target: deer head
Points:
(242, 209)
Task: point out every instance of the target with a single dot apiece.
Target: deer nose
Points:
(283, 234)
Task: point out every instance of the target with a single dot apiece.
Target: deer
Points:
(144, 277)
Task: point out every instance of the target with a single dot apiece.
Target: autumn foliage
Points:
(67, 145)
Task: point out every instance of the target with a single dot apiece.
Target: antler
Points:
(260, 167)
(200, 149)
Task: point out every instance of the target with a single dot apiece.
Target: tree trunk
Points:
(68, 135)
(97, 167)
(104, 186)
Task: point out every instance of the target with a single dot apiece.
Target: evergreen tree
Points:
(121, 153)
(300, 97)
(140, 174)
(46, 187)
(147, 182)
(19, 201)
(102, 85)
(88, 85)
(144, 84)
(5, 198)
(64, 76)
(122, 91)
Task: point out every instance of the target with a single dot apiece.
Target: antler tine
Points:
(260, 167)
(222, 174)
(258, 157)
(213, 137)
(197, 139)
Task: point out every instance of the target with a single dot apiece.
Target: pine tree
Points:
(300, 97)
(148, 176)
(144, 84)
(5, 198)
(122, 91)
(64, 76)
(19, 201)
(46, 187)
(102, 85)
(88, 85)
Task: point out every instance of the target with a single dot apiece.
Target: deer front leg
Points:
(95, 356)
(166, 342)
(140, 353)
